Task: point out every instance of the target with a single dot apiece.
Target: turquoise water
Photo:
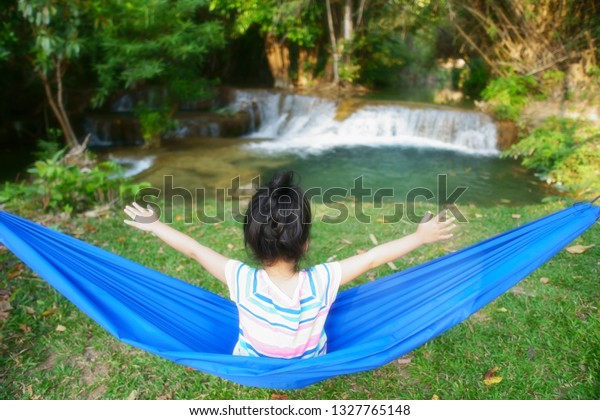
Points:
(408, 172)
(212, 163)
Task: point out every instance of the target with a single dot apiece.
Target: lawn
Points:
(542, 338)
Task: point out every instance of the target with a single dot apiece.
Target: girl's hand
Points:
(434, 229)
(142, 219)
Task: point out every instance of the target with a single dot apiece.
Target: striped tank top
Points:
(274, 325)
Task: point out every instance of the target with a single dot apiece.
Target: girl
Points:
(282, 310)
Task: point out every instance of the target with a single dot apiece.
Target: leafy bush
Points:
(154, 123)
(474, 78)
(563, 151)
(507, 96)
(552, 84)
(56, 186)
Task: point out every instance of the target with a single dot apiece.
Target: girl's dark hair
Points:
(277, 222)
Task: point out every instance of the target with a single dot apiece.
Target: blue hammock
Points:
(369, 325)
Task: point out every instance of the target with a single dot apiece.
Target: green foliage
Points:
(381, 56)
(397, 40)
(509, 95)
(554, 76)
(48, 148)
(348, 72)
(160, 42)
(57, 28)
(300, 21)
(474, 78)
(552, 83)
(8, 34)
(154, 123)
(56, 186)
(563, 151)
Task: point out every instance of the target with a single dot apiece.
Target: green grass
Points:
(543, 337)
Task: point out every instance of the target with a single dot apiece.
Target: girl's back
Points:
(275, 324)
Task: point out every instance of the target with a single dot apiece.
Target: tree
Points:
(389, 36)
(156, 43)
(289, 27)
(56, 28)
(528, 37)
(334, 44)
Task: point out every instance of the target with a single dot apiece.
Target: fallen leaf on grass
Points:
(5, 306)
(435, 397)
(168, 396)
(29, 310)
(17, 271)
(480, 316)
(578, 249)
(61, 328)
(50, 311)
(518, 290)
(504, 310)
(516, 216)
(404, 361)
(373, 239)
(491, 378)
(134, 395)
(279, 397)
(544, 280)
(24, 328)
(31, 395)
(90, 228)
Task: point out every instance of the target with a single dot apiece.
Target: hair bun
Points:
(282, 180)
(277, 221)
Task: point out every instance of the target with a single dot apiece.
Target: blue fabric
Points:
(369, 325)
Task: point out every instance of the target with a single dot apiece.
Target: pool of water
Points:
(216, 163)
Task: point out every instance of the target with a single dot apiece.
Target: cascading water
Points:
(303, 124)
(414, 147)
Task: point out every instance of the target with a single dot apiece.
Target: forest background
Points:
(533, 65)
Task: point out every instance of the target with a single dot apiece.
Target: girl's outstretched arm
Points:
(431, 231)
(208, 258)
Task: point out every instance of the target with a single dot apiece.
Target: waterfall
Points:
(304, 124)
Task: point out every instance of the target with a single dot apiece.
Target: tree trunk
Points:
(56, 103)
(70, 136)
(307, 61)
(334, 51)
(348, 30)
(361, 9)
(278, 56)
